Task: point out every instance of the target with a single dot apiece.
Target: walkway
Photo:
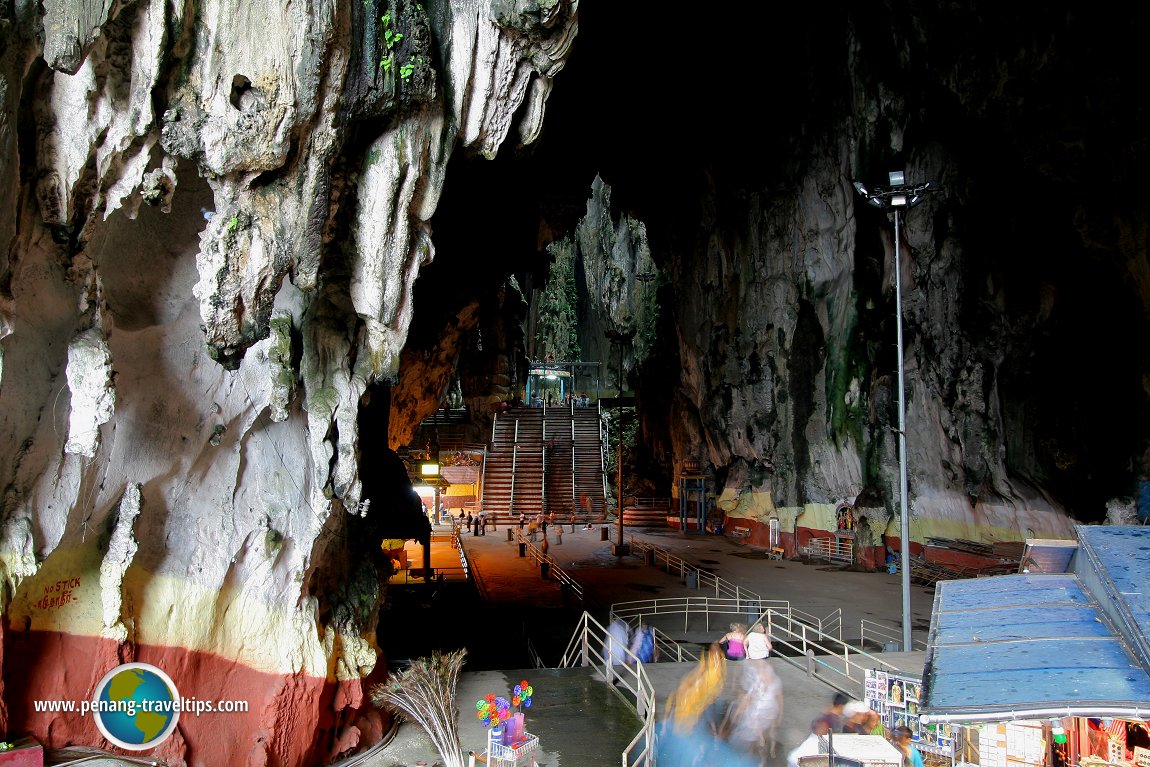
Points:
(582, 723)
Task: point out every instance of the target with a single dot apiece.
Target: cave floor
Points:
(582, 723)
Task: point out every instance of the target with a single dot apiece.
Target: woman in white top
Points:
(758, 643)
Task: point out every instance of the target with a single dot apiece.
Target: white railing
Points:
(462, 554)
(704, 580)
(881, 634)
(573, 440)
(69, 755)
(602, 450)
(588, 647)
(834, 549)
(667, 650)
(716, 613)
(794, 635)
(555, 571)
(533, 655)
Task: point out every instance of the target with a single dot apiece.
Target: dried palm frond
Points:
(424, 693)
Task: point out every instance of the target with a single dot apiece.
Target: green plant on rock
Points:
(391, 37)
(558, 334)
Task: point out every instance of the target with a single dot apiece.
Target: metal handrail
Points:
(514, 469)
(707, 580)
(602, 450)
(573, 478)
(650, 503)
(885, 633)
(629, 678)
(537, 556)
(750, 610)
(811, 648)
(462, 554)
(437, 573)
(533, 655)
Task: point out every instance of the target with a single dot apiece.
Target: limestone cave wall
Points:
(214, 216)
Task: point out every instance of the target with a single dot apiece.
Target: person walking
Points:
(643, 645)
(617, 642)
(855, 718)
(874, 724)
(831, 719)
(689, 733)
(753, 717)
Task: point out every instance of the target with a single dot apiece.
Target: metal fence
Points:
(552, 570)
(621, 669)
(885, 636)
(693, 575)
(796, 636)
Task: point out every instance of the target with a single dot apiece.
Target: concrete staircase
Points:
(542, 461)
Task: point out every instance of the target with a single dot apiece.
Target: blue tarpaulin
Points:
(1046, 644)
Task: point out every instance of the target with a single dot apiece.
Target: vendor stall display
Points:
(895, 698)
(508, 742)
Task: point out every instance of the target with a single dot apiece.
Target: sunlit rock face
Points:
(214, 218)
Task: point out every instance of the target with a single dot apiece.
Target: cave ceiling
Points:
(699, 123)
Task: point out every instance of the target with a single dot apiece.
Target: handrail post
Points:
(586, 642)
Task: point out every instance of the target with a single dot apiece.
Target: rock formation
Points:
(247, 247)
(215, 214)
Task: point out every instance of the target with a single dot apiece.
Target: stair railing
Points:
(573, 454)
(586, 648)
(603, 452)
(514, 469)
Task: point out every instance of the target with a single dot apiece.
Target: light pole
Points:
(896, 197)
(620, 338)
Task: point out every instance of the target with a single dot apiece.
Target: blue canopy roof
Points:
(1043, 645)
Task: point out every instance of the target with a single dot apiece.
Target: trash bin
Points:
(754, 611)
(603, 533)
(692, 579)
(523, 549)
(510, 536)
(544, 570)
(650, 556)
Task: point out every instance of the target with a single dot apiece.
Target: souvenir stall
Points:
(1049, 667)
(508, 742)
(895, 698)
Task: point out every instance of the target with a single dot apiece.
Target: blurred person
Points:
(831, 719)
(855, 718)
(874, 724)
(617, 642)
(689, 733)
(643, 644)
(753, 717)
